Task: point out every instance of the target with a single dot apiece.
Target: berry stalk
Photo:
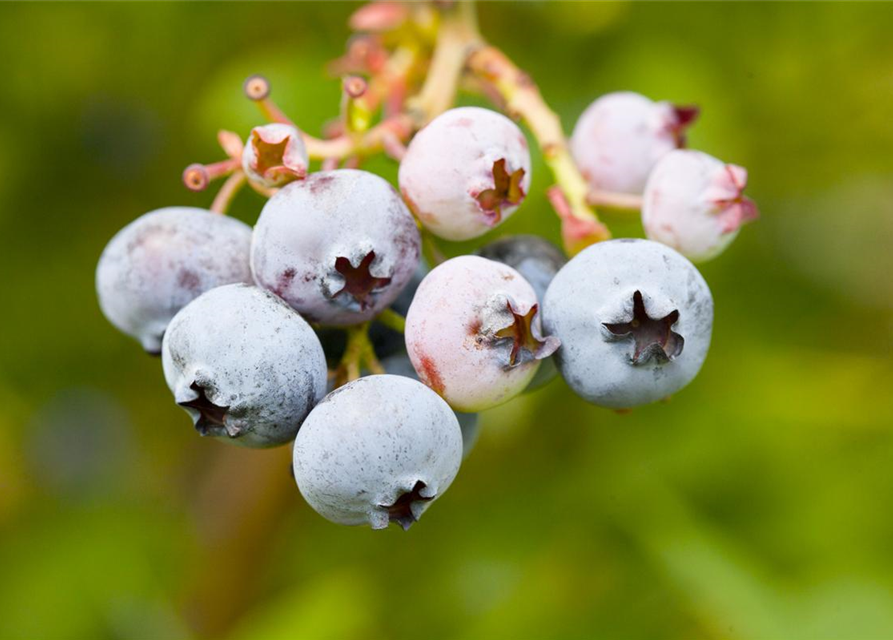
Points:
(359, 352)
(616, 201)
(392, 320)
(456, 36)
(228, 191)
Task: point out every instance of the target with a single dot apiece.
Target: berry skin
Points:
(473, 333)
(538, 260)
(621, 135)
(244, 366)
(634, 318)
(338, 246)
(379, 449)
(694, 203)
(466, 172)
(164, 259)
(400, 365)
(274, 155)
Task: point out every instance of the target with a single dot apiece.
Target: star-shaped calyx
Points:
(528, 343)
(733, 207)
(654, 337)
(211, 417)
(401, 511)
(275, 156)
(359, 281)
(506, 191)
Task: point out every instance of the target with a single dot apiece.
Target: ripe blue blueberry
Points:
(244, 366)
(338, 246)
(163, 260)
(379, 449)
(634, 318)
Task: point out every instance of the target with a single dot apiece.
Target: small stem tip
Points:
(256, 87)
(196, 178)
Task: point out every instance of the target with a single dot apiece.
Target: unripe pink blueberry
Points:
(338, 246)
(379, 449)
(466, 172)
(244, 365)
(695, 204)
(473, 333)
(274, 155)
(620, 137)
(164, 259)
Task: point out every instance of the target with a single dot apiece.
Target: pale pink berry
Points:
(620, 137)
(473, 333)
(466, 172)
(694, 203)
(274, 155)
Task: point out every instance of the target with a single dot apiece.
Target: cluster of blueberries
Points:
(241, 315)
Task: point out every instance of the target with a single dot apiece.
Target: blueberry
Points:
(244, 366)
(621, 135)
(379, 449)
(695, 204)
(634, 319)
(163, 260)
(473, 333)
(535, 258)
(338, 246)
(466, 172)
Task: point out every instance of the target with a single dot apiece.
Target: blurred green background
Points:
(756, 504)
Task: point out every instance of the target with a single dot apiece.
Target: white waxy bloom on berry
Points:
(244, 366)
(634, 319)
(621, 136)
(380, 449)
(338, 246)
(163, 260)
(695, 204)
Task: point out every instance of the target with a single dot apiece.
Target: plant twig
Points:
(455, 39)
(392, 320)
(228, 191)
(613, 200)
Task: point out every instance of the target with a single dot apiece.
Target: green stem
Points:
(392, 320)
(430, 250)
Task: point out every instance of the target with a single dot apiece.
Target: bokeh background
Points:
(755, 504)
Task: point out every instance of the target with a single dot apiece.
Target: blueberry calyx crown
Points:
(359, 281)
(526, 341)
(211, 417)
(270, 157)
(654, 337)
(401, 511)
(506, 191)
